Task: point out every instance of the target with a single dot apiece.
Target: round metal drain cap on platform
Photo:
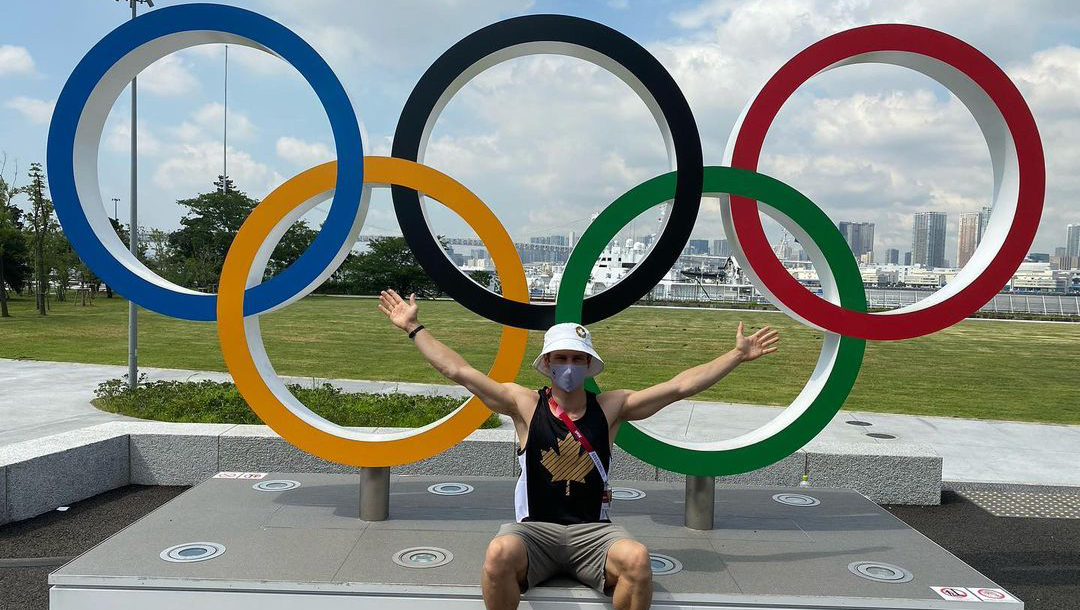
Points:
(450, 489)
(664, 564)
(880, 435)
(276, 485)
(856, 422)
(626, 493)
(192, 551)
(879, 572)
(423, 557)
(796, 499)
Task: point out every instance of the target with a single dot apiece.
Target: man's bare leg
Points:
(629, 569)
(505, 566)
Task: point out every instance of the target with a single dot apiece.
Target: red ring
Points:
(1031, 178)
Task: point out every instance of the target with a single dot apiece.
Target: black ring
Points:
(633, 58)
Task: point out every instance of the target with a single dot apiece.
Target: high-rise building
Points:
(699, 246)
(573, 238)
(984, 218)
(720, 247)
(1072, 240)
(928, 239)
(860, 236)
(972, 226)
(892, 256)
(907, 258)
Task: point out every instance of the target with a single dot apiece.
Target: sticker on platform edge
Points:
(955, 594)
(990, 594)
(239, 475)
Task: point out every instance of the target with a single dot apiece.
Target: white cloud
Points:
(34, 110)
(15, 60)
(302, 153)
(170, 75)
(1050, 80)
(210, 116)
(196, 166)
(118, 139)
(187, 131)
(257, 61)
(388, 33)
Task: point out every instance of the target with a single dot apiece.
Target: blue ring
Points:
(275, 37)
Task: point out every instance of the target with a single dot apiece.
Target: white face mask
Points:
(568, 376)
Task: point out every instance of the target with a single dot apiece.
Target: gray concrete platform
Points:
(307, 548)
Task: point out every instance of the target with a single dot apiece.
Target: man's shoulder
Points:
(523, 394)
(613, 400)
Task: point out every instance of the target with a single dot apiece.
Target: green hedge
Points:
(221, 403)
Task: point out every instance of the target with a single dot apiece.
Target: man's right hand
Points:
(401, 312)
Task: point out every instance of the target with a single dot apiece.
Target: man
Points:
(564, 450)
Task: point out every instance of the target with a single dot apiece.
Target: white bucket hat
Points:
(568, 335)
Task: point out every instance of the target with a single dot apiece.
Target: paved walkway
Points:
(44, 398)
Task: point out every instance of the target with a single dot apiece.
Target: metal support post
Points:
(374, 493)
(700, 492)
(133, 234)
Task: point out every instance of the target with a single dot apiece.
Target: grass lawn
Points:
(978, 368)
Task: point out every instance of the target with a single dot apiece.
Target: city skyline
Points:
(928, 239)
(860, 237)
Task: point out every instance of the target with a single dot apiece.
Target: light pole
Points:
(133, 230)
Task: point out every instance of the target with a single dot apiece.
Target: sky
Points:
(547, 140)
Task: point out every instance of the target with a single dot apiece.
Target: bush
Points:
(221, 403)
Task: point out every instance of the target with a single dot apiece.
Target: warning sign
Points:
(239, 475)
(988, 594)
(956, 594)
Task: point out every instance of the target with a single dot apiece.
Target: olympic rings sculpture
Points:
(999, 109)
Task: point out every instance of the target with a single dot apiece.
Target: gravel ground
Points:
(58, 536)
(1038, 560)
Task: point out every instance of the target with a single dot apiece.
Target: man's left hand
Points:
(756, 345)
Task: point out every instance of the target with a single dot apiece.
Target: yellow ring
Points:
(307, 430)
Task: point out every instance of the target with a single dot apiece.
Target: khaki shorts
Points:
(578, 550)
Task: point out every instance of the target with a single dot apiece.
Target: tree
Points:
(388, 263)
(42, 223)
(164, 261)
(486, 279)
(13, 251)
(197, 249)
(62, 260)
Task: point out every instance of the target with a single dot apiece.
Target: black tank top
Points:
(559, 482)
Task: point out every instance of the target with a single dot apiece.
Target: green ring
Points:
(848, 353)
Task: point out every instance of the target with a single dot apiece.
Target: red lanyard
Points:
(578, 436)
(569, 423)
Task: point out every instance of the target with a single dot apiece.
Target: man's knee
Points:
(632, 560)
(505, 556)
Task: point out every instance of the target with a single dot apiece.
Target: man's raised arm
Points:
(644, 403)
(403, 314)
